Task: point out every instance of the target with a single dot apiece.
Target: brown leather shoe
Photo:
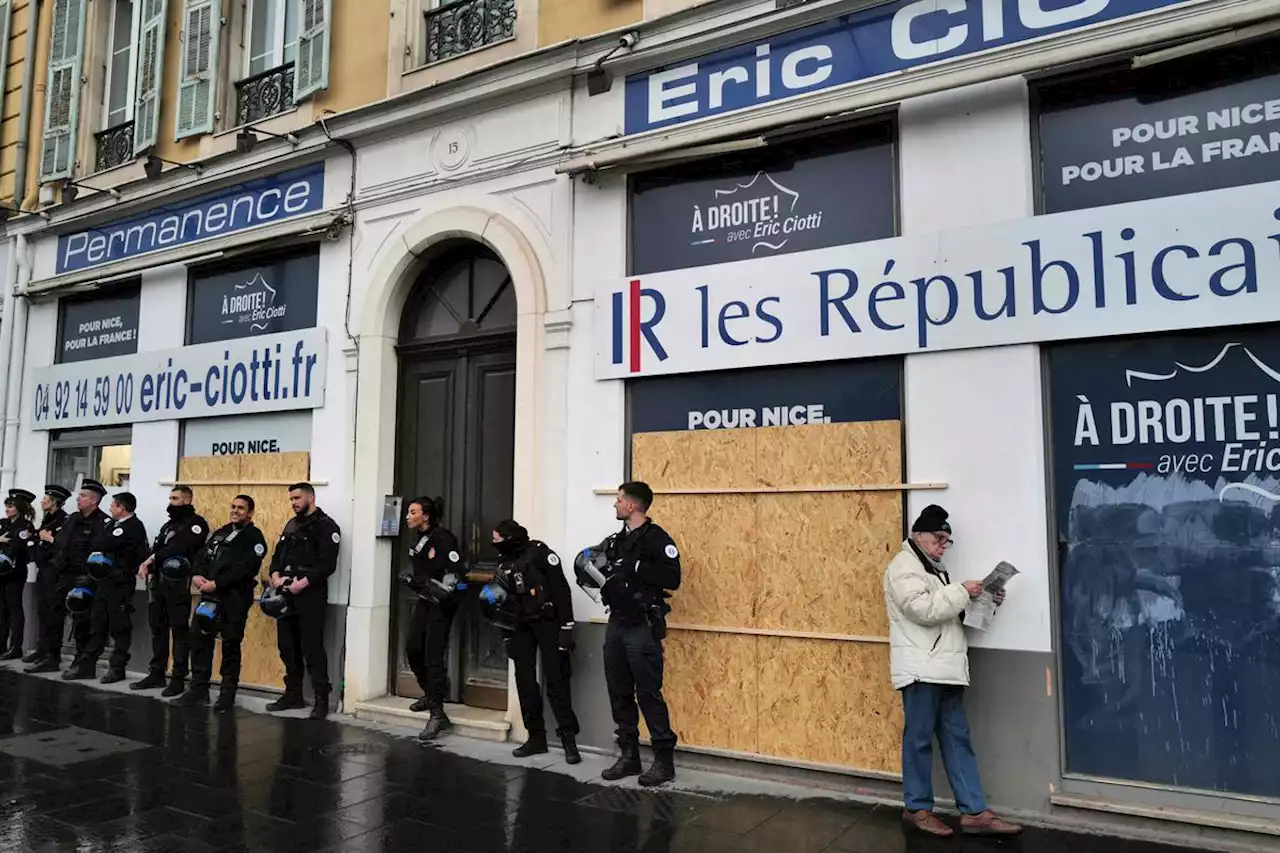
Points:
(929, 823)
(987, 824)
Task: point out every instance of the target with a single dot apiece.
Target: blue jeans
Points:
(937, 709)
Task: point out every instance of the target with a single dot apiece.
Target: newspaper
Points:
(981, 611)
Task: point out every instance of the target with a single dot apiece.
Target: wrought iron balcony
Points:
(265, 94)
(462, 26)
(115, 147)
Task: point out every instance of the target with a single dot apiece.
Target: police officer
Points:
(645, 564)
(169, 596)
(432, 556)
(124, 542)
(305, 557)
(544, 622)
(50, 606)
(226, 572)
(72, 548)
(17, 541)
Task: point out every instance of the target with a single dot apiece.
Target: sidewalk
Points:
(89, 768)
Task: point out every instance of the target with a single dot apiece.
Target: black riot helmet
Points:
(99, 565)
(7, 566)
(175, 569)
(496, 603)
(274, 602)
(205, 617)
(592, 571)
(444, 588)
(80, 599)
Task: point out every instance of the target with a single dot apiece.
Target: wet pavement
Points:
(85, 769)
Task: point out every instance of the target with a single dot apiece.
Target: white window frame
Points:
(135, 39)
(284, 7)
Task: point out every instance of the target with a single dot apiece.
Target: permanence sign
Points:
(271, 373)
(884, 39)
(238, 208)
(1212, 259)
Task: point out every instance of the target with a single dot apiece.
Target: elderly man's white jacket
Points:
(927, 640)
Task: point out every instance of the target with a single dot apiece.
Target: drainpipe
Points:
(13, 405)
(12, 346)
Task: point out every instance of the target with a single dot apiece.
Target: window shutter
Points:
(62, 93)
(311, 72)
(146, 117)
(202, 22)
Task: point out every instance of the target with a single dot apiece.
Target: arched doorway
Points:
(455, 438)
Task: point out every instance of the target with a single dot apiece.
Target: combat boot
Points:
(197, 695)
(571, 754)
(289, 701)
(114, 674)
(320, 709)
(79, 672)
(151, 682)
(535, 745)
(437, 725)
(663, 769)
(226, 697)
(176, 684)
(628, 763)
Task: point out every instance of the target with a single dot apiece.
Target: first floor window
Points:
(273, 34)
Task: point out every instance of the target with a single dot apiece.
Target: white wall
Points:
(974, 419)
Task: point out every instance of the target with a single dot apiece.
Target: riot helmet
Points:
(175, 569)
(7, 565)
(205, 617)
(275, 602)
(592, 571)
(444, 588)
(496, 604)
(99, 565)
(80, 599)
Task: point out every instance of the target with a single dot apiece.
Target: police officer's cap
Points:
(58, 493)
(93, 486)
(22, 495)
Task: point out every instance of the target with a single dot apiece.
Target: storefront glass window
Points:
(102, 455)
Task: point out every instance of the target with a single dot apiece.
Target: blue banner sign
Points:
(883, 39)
(270, 199)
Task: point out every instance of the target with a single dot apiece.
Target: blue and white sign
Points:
(237, 208)
(1212, 259)
(271, 373)
(873, 42)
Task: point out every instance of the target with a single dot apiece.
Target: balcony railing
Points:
(265, 94)
(462, 26)
(115, 147)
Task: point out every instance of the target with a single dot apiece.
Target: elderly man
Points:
(929, 663)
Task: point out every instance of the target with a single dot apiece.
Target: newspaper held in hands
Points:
(981, 611)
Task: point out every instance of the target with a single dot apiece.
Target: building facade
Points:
(804, 267)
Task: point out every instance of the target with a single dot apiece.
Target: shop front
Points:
(213, 368)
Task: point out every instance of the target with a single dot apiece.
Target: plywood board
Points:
(271, 467)
(710, 688)
(706, 459)
(822, 558)
(716, 535)
(224, 469)
(866, 452)
(829, 703)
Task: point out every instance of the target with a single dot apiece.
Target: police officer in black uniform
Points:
(226, 573)
(169, 597)
(645, 564)
(17, 544)
(124, 541)
(305, 557)
(50, 606)
(544, 622)
(433, 555)
(75, 542)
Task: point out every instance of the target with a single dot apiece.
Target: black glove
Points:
(410, 581)
(565, 641)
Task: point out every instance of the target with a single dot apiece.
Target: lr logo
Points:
(631, 331)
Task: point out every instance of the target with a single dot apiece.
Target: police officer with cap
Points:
(167, 573)
(304, 559)
(50, 605)
(644, 564)
(225, 574)
(123, 544)
(72, 548)
(433, 556)
(17, 538)
(535, 580)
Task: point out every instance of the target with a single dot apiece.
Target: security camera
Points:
(628, 40)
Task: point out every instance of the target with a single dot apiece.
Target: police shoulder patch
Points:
(23, 535)
(553, 560)
(453, 557)
(259, 549)
(671, 552)
(336, 538)
(117, 532)
(197, 529)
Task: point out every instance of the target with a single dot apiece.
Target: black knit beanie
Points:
(933, 519)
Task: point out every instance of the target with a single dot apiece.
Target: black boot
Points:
(663, 769)
(535, 745)
(290, 700)
(114, 674)
(320, 709)
(34, 657)
(14, 653)
(628, 764)
(43, 665)
(421, 705)
(151, 682)
(79, 672)
(176, 683)
(437, 725)
(226, 697)
(571, 754)
(197, 695)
